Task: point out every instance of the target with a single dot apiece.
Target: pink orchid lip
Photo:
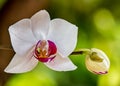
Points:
(46, 59)
(45, 51)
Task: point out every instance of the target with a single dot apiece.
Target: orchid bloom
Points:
(41, 39)
(97, 62)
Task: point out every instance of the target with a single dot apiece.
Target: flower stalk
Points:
(5, 48)
(81, 51)
(93, 55)
(78, 52)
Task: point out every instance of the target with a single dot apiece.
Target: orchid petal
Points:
(20, 46)
(64, 35)
(61, 64)
(40, 22)
(22, 30)
(20, 64)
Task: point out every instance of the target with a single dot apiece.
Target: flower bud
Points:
(97, 62)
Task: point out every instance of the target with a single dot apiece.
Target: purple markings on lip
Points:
(46, 59)
(105, 72)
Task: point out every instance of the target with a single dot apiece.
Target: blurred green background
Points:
(99, 27)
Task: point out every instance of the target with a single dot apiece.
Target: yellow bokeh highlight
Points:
(103, 20)
(111, 79)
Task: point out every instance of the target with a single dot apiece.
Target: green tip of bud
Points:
(94, 57)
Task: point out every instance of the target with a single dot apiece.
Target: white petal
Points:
(40, 24)
(61, 64)
(21, 64)
(64, 35)
(22, 30)
(20, 46)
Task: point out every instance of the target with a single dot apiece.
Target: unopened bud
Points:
(97, 62)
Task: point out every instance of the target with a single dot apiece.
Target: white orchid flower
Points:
(97, 62)
(41, 39)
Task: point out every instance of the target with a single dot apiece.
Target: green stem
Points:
(76, 52)
(81, 51)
